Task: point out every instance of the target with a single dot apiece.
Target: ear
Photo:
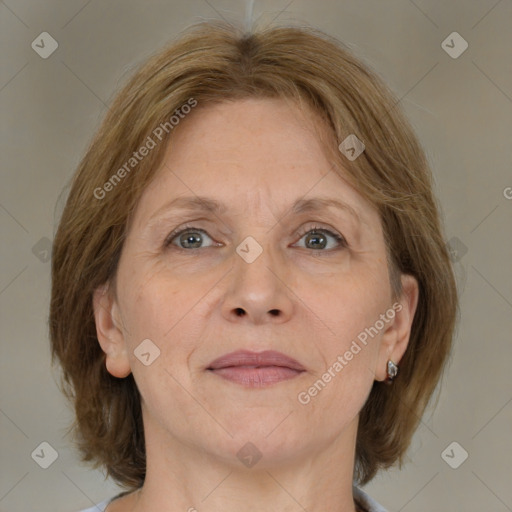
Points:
(110, 334)
(396, 337)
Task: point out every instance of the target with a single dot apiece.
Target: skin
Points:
(256, 156)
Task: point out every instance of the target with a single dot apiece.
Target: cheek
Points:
(344, 380)
(346, 309)
(159, 309)
(154, 301)
(172, 311)
(344, 303)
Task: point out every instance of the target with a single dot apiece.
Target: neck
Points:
(184, 477)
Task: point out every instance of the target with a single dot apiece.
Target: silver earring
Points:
(392, 371)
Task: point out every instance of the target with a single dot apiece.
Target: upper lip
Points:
(256, 359)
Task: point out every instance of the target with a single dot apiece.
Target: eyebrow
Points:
(316, 204)
(301, 206)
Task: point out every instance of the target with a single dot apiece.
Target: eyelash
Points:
(317, 229)
(300, 233)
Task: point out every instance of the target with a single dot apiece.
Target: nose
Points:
(258, 292)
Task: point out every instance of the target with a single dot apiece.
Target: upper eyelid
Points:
(190, 226)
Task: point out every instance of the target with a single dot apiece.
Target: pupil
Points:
(188, 241)
(316, 237)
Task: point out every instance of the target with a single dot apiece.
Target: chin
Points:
(257, 452)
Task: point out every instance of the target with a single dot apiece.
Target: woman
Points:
(249, 252)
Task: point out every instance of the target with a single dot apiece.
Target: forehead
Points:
(255, 134)
(249, 154)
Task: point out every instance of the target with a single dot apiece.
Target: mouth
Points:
(256, 369)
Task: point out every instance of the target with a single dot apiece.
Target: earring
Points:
(392, 371)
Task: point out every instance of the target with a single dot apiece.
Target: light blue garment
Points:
(362, 499)
(100, 507)
(366, 502)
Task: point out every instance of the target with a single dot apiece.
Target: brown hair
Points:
(214, 62)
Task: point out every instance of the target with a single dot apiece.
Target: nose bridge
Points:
(256, 263)
(258, 246)
(257, 288)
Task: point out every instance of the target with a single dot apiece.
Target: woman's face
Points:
(275, 268)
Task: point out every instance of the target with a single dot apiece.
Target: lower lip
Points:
(256, 377)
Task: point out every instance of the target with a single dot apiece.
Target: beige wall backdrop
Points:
(460, 102)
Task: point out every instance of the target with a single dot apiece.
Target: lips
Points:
(255, 360)
(256, 369)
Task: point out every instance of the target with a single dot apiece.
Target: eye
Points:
(318, 238)
(187, 238)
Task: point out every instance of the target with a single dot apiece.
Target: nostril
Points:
(239, 312)
(274, 312)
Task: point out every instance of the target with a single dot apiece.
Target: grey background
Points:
(461, 109)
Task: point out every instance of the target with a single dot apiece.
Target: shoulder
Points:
(366, 502)
(101, 507)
